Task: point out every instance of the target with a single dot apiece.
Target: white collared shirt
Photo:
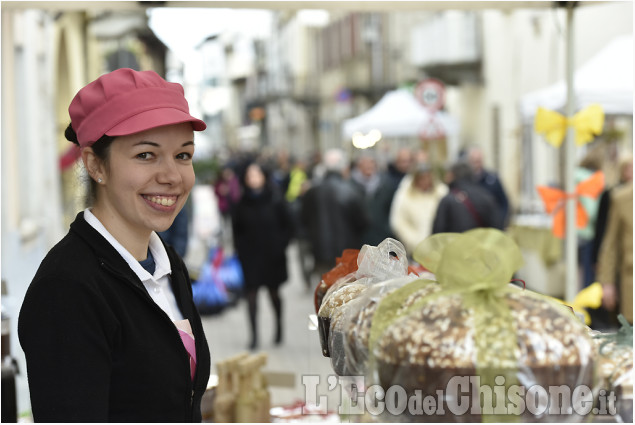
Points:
(157, 285)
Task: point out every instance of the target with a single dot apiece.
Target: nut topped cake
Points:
(481, 332)
(335, 300)
(441, 334)
(359, 317)
(331, 309)
(426, 349)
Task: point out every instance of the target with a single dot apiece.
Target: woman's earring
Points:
(99, 180)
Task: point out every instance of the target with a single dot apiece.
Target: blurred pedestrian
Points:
(334, 213)
(298, 180)
(467, 205)
(401, 165)
(262, 228)
(316, 169)
(625, 177)
(601, 318)
(378, 190)
(591, 163)
(108, 325)
(299, 183)
(227, 190)
(616, 253)
(414, 206)
(489, 180)
(281, 174)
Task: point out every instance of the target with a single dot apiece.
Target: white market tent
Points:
(606, 79)
(399, 114)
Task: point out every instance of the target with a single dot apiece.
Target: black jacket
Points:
(378, 204)
(466, 207)
(98, 348)
(262, 228)
(335, 216)
(490, 181)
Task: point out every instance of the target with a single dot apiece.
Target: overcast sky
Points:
(182, 29)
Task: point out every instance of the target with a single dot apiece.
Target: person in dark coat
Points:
(108, 326)
(262, 228)
(400, 166)
(488, 180)
(334, 213)
(467, 205)
(378, 190)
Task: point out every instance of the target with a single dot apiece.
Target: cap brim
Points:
(154, 118)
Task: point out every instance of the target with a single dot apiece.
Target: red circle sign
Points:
(431, 94)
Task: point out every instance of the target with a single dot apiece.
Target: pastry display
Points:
(615, 370)
(461, 343)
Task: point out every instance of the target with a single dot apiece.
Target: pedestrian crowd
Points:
(336, 202)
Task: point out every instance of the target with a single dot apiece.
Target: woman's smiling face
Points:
(147, 179)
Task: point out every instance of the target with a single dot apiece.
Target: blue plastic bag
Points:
(226, 269)
(220, 282)
(208, 292)
(231, 274)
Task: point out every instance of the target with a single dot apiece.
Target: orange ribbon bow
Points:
(554, 200)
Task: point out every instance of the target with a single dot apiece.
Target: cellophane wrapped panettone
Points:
(478, 335)
(615, 372)
(375, 264)
(359, 314)
(337, 295)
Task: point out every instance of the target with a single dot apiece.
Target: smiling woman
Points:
(145, 183)
(108, 325)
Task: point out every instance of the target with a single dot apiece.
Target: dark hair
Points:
(101, 147)
(461, 170)
(263, 168)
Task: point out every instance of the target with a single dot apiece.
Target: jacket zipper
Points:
(140, 288)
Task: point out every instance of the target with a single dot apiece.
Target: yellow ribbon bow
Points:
(587, 123)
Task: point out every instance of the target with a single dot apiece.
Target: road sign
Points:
(431, 94)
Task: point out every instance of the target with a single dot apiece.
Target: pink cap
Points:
(125, 102)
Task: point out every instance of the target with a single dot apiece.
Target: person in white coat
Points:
(414, 206)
